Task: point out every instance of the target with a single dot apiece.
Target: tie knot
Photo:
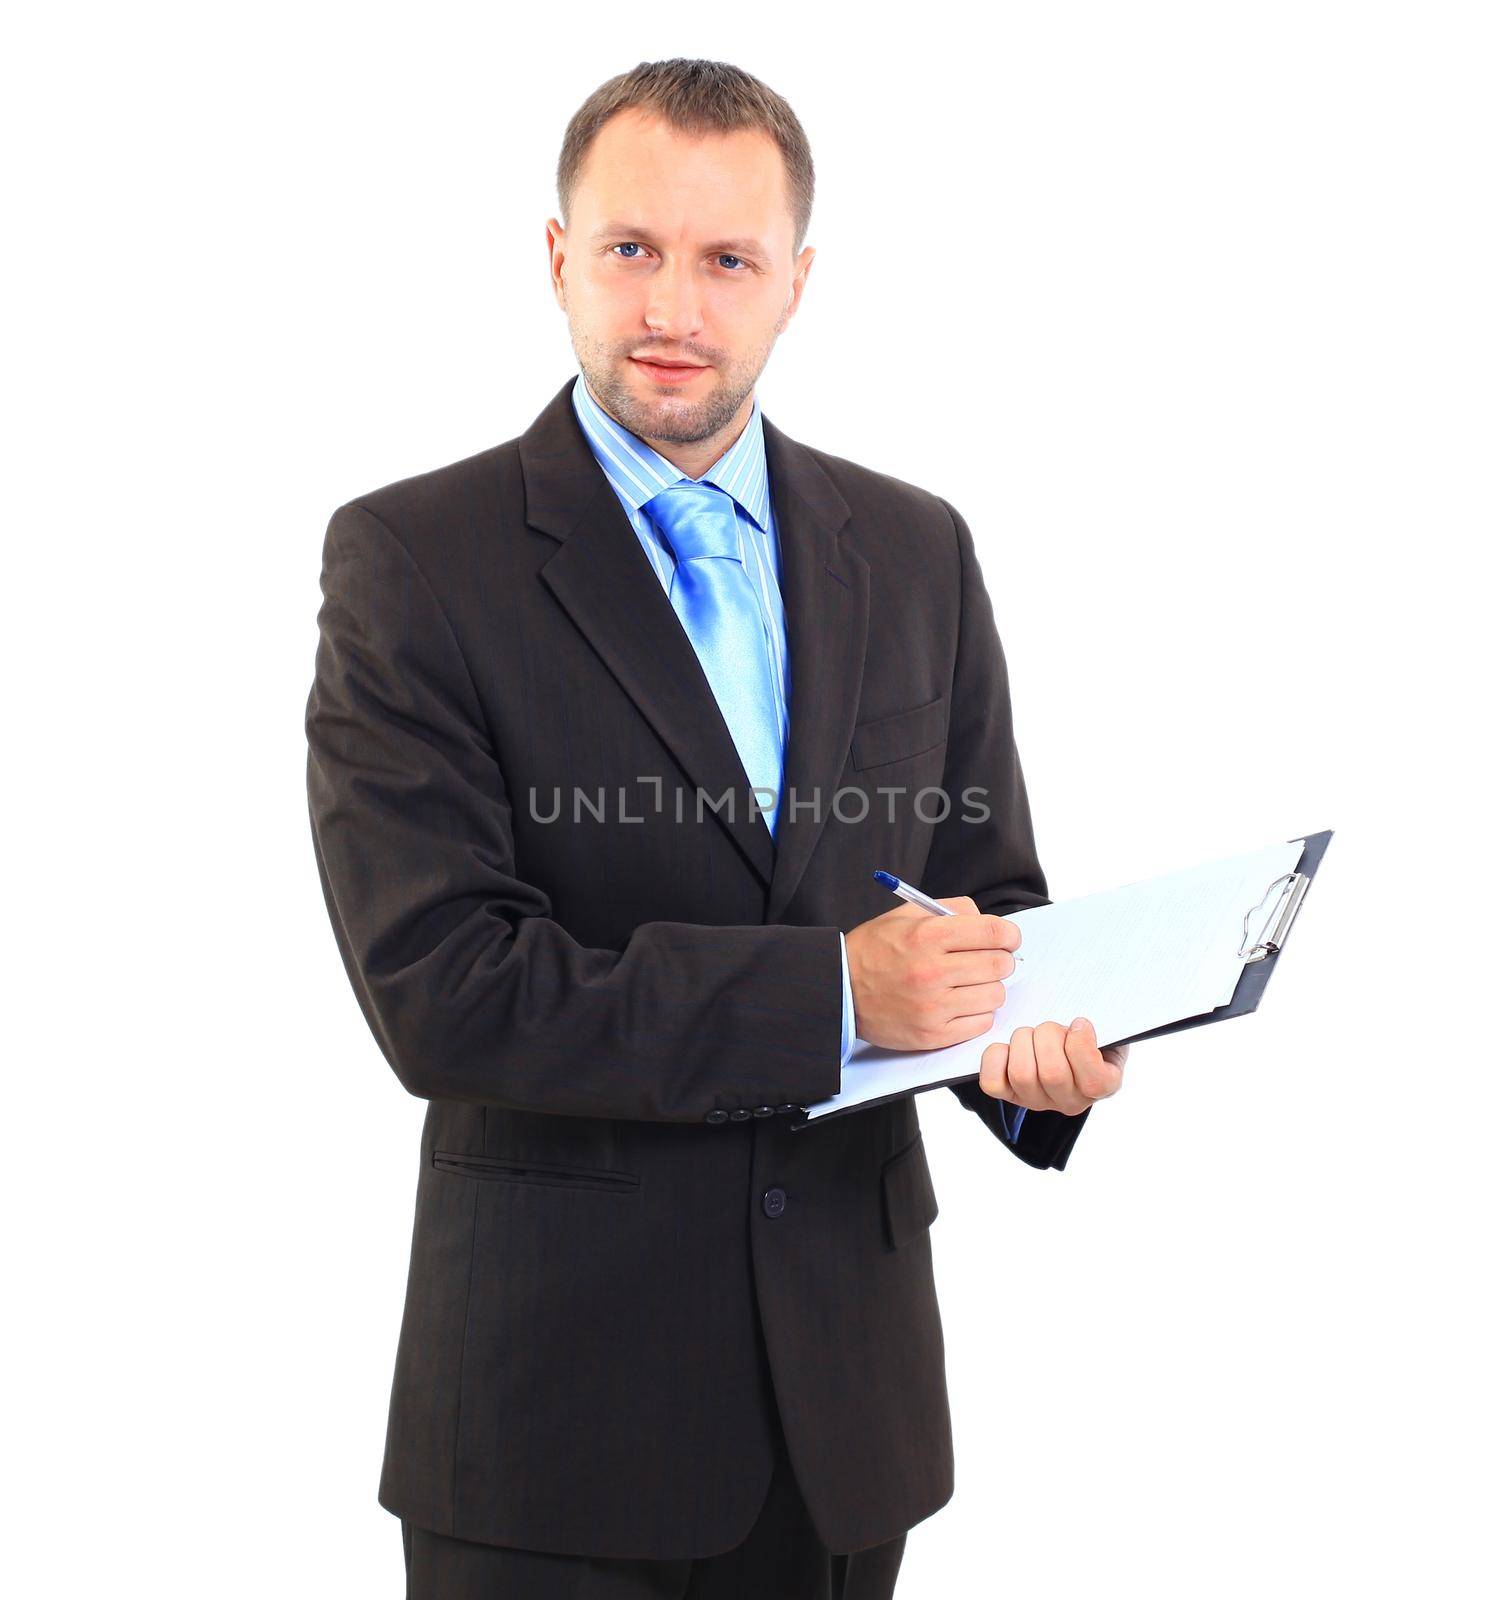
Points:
(698, 519)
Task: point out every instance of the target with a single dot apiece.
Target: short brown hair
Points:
(697, 97)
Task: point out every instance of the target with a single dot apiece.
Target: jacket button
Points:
(740, 1114)
(762, 1111)
(717, 1116)
(773, 1202)
(788, 1107)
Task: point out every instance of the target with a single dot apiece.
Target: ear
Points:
(800, 282)
(556, 254)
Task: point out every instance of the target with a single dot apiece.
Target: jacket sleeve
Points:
(984, 845)
(472, 992)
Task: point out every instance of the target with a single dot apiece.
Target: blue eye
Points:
(740, 264)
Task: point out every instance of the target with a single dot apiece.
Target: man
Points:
(610, 725)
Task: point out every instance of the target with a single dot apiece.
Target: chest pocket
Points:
(902, 734)
(908, 1197)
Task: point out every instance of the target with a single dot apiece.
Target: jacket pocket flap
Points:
(503, 1169)
(908, 1193)
(903, 733)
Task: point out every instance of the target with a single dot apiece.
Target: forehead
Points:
(639, 168)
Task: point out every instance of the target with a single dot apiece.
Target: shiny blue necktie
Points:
(721, 612)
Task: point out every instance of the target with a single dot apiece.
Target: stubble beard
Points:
(671, 418)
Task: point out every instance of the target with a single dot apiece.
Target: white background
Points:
(1199, 315)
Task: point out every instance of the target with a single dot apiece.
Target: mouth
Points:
(670, 373)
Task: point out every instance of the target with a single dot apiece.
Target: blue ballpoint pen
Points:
(917, 897)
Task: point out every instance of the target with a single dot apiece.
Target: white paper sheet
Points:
(1129, 959)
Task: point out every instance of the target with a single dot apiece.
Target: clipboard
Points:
(1261, 937)
(1259, 949)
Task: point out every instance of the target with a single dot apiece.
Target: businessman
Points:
(611, 724)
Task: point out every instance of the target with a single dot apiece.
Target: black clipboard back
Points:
(1266, 946)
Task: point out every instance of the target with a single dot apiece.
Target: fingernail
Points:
(1081, 1022)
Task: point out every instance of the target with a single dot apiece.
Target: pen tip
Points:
(886, 878)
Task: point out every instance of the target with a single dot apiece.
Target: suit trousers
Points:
(781, 1558)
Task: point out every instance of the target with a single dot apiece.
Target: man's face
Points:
(681, 249)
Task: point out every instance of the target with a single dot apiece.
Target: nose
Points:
(673, 303)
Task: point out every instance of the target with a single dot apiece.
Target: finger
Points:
(975, 932)
(1096, 1076)
(1055, 1074)
(959, 1029)
(987, 932)
(964, 967)
(992, 1076)
(1022, 1078)
(971, 998)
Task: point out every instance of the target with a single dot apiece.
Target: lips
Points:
(669, 374)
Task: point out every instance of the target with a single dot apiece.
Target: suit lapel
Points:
(605, 584)
(825, 599)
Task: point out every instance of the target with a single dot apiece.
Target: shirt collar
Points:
(639, 472)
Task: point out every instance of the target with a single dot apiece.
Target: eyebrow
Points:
(633, 230)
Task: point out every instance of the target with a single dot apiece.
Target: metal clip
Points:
(1283, 916)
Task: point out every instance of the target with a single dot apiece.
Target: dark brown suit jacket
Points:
(610, 1312)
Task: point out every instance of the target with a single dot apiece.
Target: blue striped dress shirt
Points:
(636, 473)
